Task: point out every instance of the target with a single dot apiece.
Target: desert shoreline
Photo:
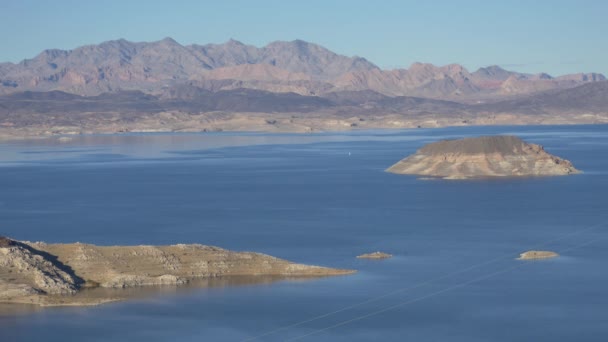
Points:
(16, 135)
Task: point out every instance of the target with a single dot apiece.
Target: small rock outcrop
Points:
(533, 255)
(375, 255)
(490, 156)
(39, 272)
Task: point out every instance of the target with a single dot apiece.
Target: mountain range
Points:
(121, 86)
(280, 67)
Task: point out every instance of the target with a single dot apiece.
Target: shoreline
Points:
(40, 134)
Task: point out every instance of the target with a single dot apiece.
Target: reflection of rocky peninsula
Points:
(533, 255)
(56, 274)
(491, 156)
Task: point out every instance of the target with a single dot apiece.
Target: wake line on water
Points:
(428, 282)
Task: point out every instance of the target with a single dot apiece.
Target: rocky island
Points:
(534, 255)
(489, 156)
(54, 274)
(375, 255)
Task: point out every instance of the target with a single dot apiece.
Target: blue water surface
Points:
(322, 199)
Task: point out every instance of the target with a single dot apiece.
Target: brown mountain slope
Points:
(296, 57)
(189, 107)
(587, 98)
(21, 108)
(259, 72)
(455, 82)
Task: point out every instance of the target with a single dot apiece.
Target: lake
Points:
(321, 199)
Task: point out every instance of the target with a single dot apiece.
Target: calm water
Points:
(322, 199)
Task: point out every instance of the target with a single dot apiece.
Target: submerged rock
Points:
(490, 156)
(532, 255)
(375, 255)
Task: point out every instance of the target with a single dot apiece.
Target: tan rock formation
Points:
(492, 156)
(533, 255)
(375, 255)
(33, 272)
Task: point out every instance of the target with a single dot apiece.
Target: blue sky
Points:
(557, 37)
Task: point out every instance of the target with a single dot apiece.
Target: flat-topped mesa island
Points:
(53, 274)
(479, 157)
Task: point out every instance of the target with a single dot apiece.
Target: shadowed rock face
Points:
(491, 156)
(5, 242)
(41, 273)
(25, 271)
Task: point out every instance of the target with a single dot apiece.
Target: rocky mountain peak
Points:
(169, 41)
(234, 42)
(492, 72)
(295, 66)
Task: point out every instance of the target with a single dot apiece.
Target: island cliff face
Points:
(45, 274)
(490, 156)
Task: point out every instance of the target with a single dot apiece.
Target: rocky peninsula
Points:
(58, 274)
(488, 156)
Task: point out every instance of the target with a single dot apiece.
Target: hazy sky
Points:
(557, 37)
